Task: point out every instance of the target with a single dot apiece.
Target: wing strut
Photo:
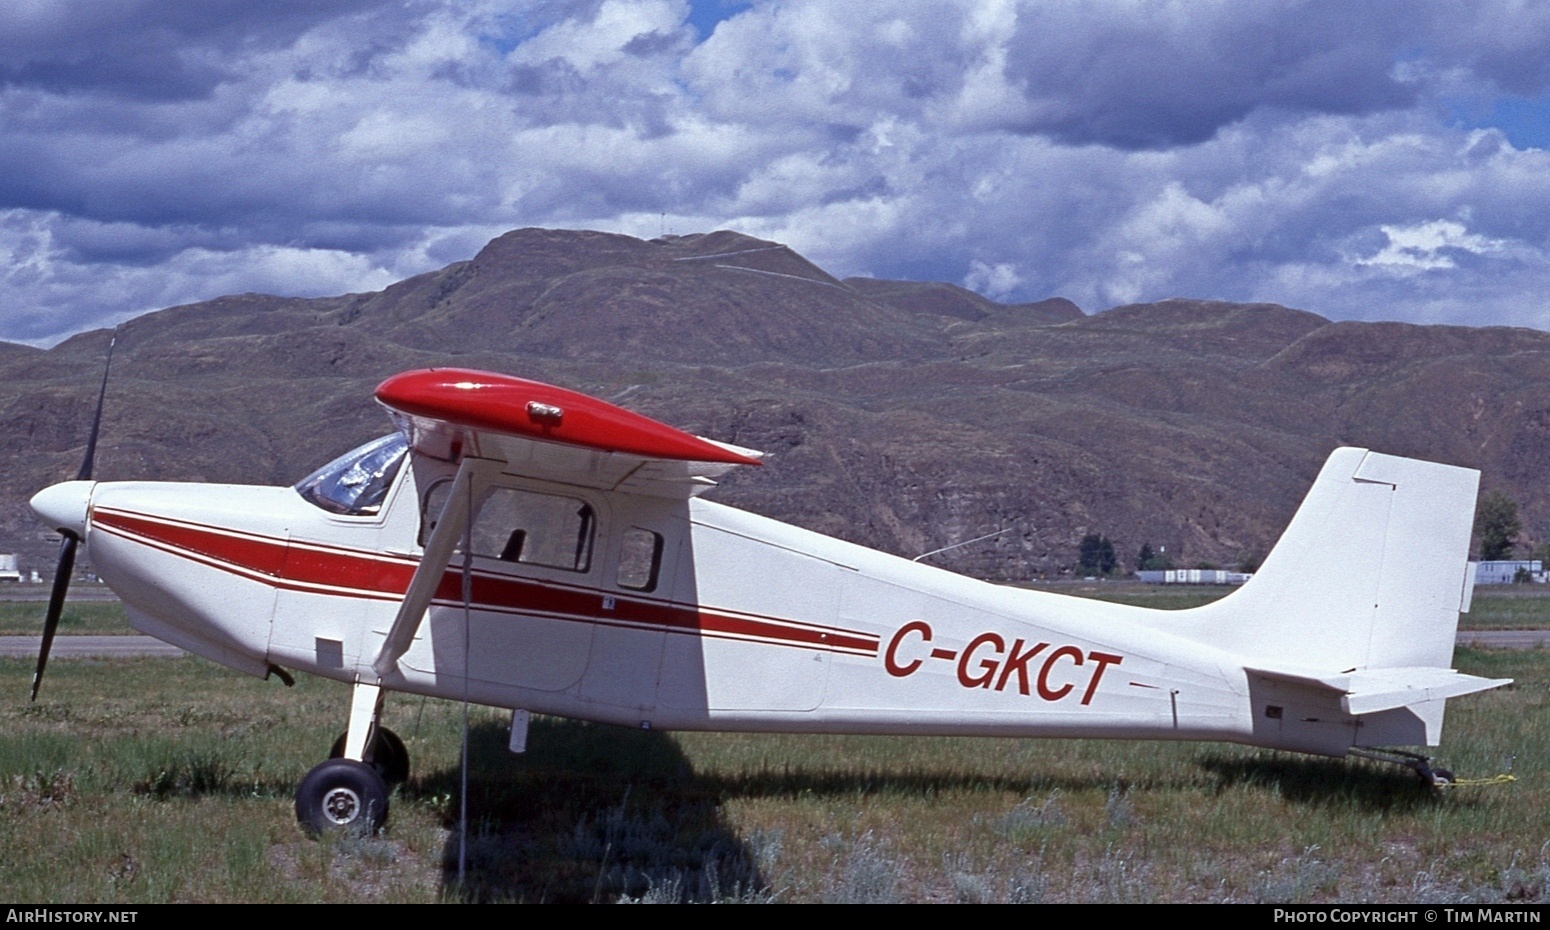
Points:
(473, 476)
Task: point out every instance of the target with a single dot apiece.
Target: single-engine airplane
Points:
(524, 546)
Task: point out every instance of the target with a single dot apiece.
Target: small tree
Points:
(1496, 521)
(1096, 554)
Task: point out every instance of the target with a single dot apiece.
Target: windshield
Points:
(357, 482)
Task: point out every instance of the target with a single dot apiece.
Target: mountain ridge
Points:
(901, 415)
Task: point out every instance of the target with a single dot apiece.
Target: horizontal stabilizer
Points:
(1372, 690)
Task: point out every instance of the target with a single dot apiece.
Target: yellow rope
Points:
(1478, 782)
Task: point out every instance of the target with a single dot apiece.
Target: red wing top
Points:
(549, 432)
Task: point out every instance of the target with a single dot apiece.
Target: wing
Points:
(490, 424)
(542, 431)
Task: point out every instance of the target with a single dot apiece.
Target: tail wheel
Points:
(388, 755)
(340, 796)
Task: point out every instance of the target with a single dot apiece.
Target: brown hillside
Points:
(902, 415)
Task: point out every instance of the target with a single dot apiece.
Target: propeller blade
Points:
(56, 606)
(66, 566)
(96, 421)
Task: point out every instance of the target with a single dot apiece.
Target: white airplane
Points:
(524, 546)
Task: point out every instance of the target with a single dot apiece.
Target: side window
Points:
(640, 559)
(526, 527)
(535, 529)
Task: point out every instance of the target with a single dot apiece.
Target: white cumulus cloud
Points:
(1337, 157)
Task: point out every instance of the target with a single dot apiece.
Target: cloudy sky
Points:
(1374, 160)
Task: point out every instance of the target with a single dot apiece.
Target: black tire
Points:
(340, 796)
(389, 755)
(1442, 777)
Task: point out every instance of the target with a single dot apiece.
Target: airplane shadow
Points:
(589, 813)
(1324, 782)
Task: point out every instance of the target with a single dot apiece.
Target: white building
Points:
(1505, 571)
(1194, 576)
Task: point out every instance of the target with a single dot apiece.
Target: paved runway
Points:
(76, 647)
(1504, 639)
(66, 647)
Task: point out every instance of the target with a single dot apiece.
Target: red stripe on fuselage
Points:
(318, 568)
(255, 553)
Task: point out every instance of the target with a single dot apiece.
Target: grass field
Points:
(25, 618)
(171, 780)
(1509, 607)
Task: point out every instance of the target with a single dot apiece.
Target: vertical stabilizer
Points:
(1369, 574)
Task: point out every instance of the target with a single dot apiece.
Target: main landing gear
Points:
(349, 792)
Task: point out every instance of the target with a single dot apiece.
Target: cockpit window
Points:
(357, 482)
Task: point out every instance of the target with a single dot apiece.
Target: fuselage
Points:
(684, 614)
